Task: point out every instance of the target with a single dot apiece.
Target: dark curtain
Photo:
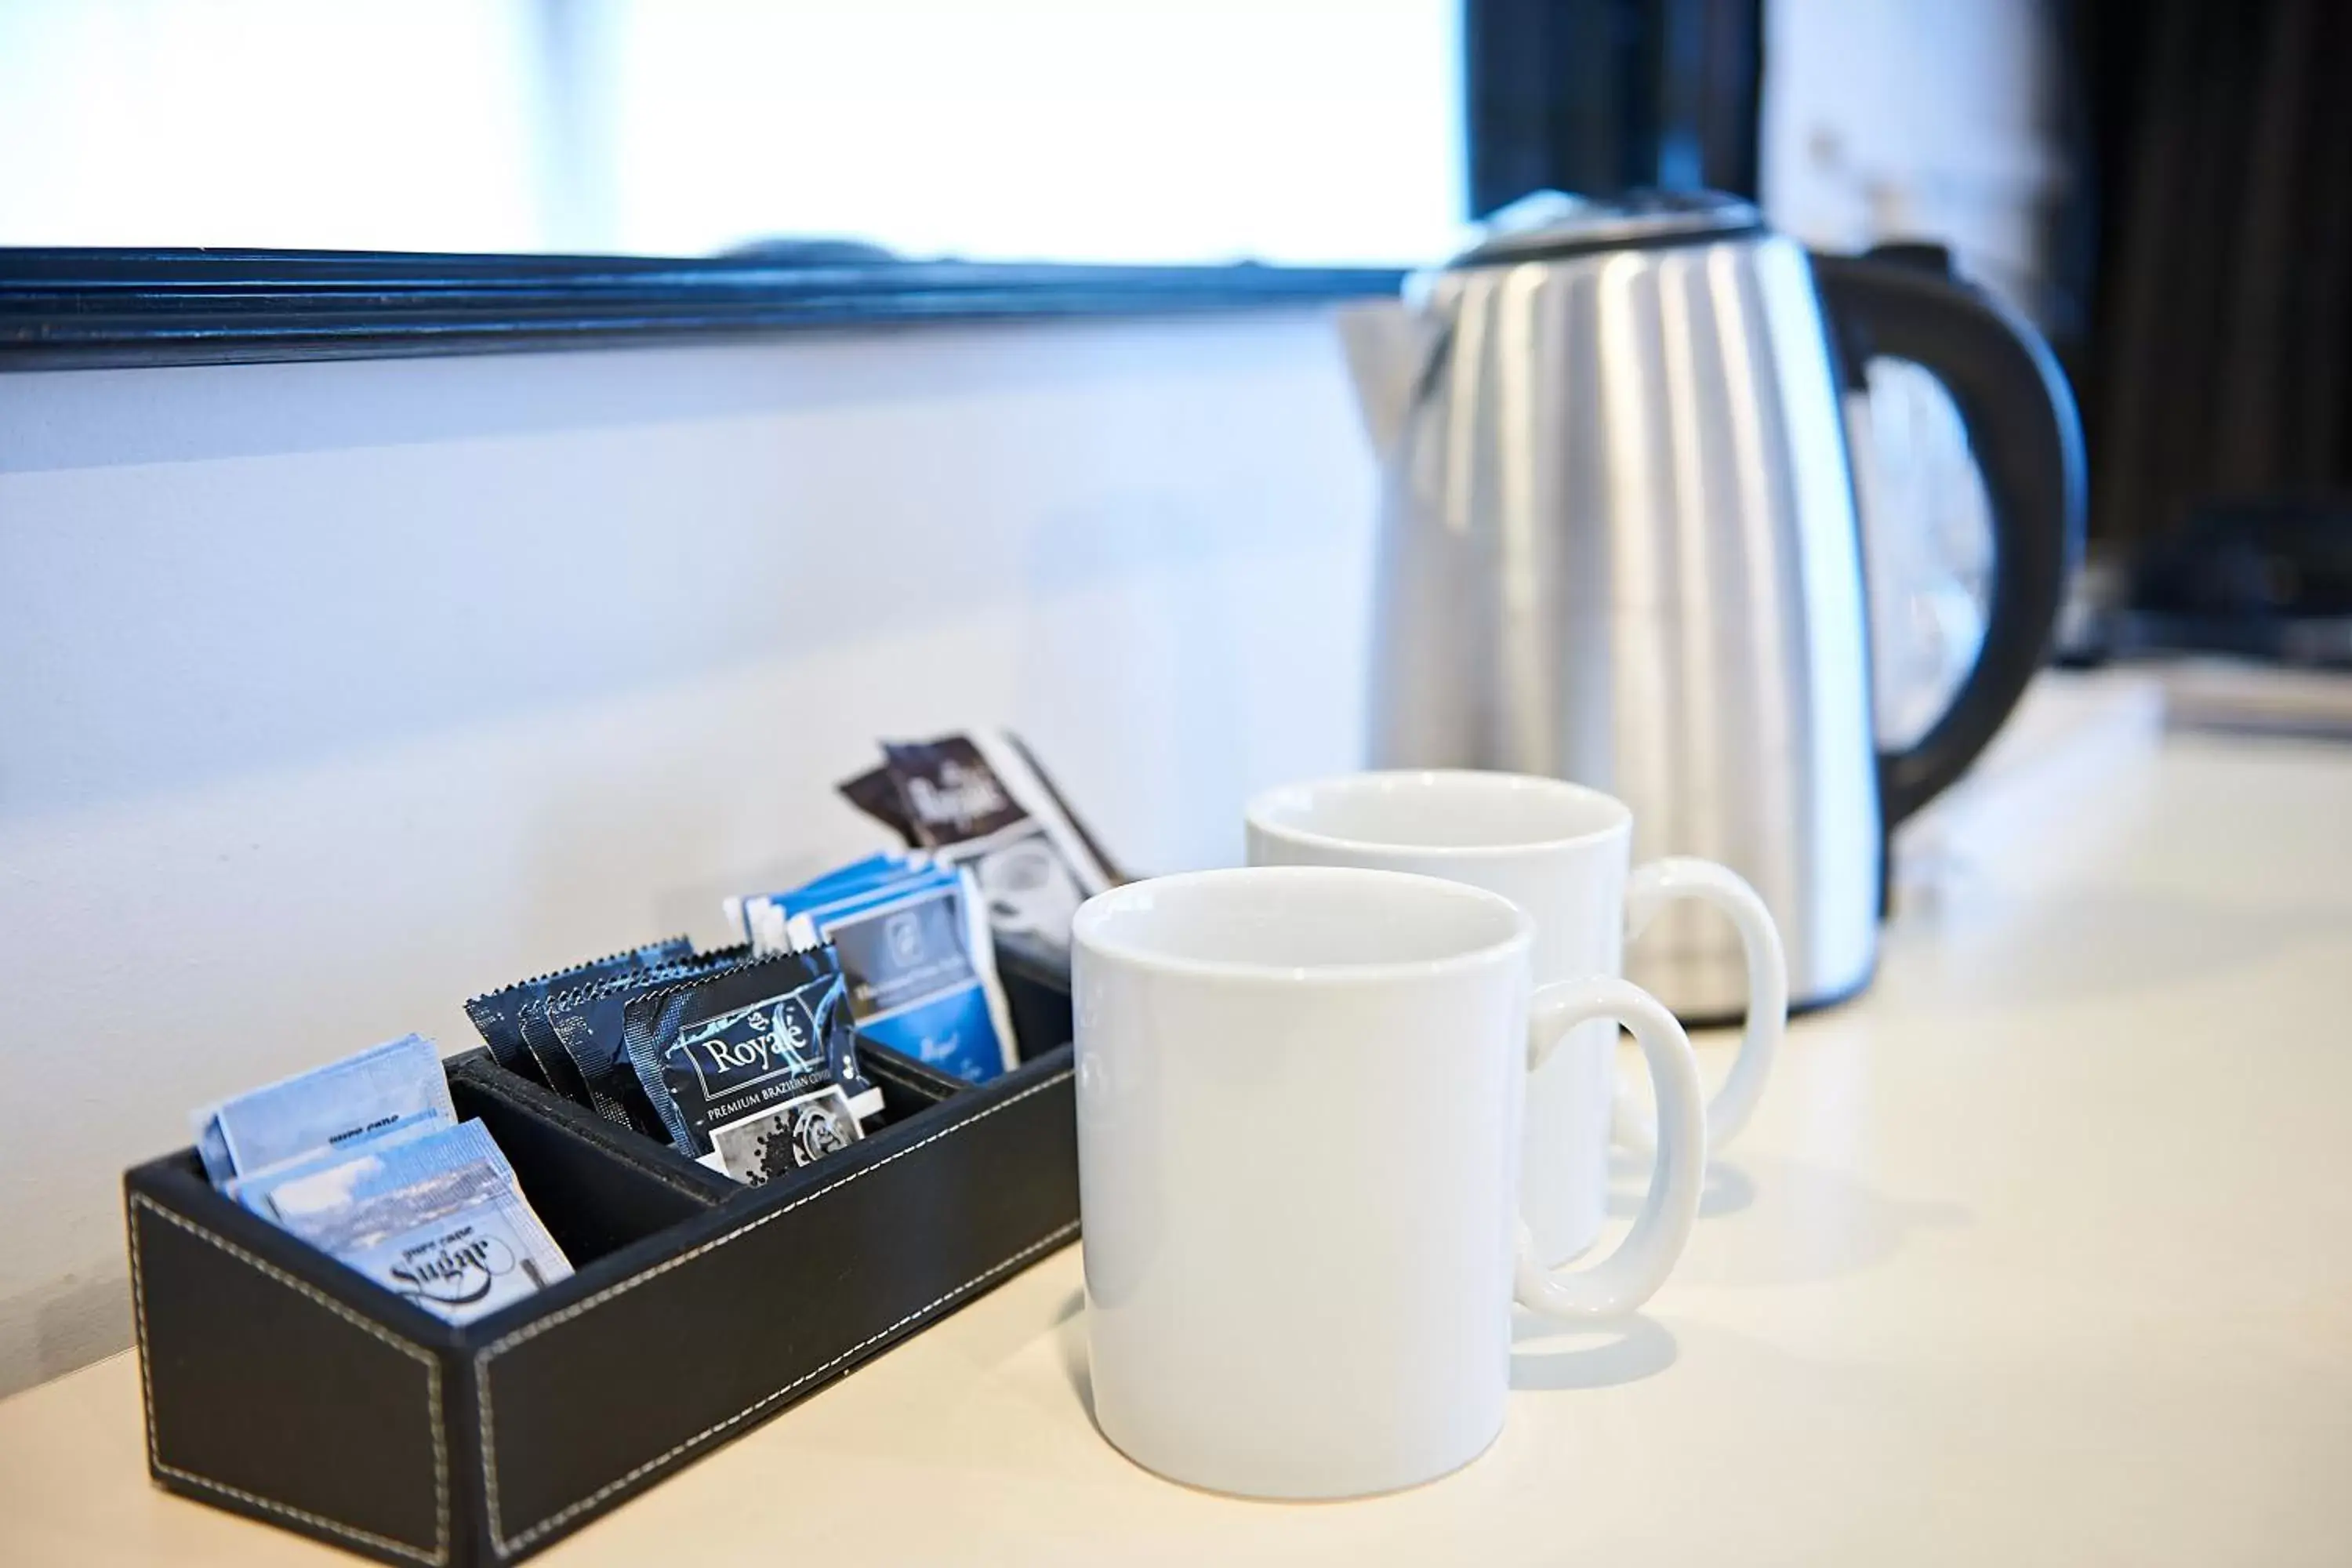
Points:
(2220, 355)
(1600, 97)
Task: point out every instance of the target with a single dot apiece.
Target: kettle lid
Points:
(1546, 224)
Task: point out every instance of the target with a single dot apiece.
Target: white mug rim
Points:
(1620, 814)
(1086, 930)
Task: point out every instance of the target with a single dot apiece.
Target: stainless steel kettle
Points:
(1620, 545)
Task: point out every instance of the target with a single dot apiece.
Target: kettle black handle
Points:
(2025, 435)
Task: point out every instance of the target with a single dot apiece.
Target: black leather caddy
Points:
(280, 1385)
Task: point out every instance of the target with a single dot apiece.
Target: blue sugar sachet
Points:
(259, 1191)
(382, 1089)
(439, 1219)
(212, 1150)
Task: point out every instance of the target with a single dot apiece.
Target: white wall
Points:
(1884, 119)
(1887, 121)
(330, 694)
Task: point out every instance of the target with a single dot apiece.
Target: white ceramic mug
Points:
(1299, 1099)
(1561, 852)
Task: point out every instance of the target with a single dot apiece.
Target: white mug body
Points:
(1560, 851)
(1299, 1093)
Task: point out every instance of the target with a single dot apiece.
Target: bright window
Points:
(1179, 130)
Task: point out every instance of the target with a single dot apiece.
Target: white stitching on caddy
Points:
(505, 1545)
(439, 1554)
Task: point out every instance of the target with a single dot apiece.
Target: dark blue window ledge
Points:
(83, 309)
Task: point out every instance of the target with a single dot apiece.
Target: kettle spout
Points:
(1388, 343)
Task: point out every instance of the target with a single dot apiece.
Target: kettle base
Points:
(1798, 1006)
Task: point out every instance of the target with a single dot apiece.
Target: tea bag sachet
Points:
(975, 799)
(760, 918)
(915, 947)
(921, 968)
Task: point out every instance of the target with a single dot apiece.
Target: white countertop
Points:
(2042, 1252)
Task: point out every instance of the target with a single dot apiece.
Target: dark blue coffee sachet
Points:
(498, 1016)
(753, 1071)
(587, 1021)
(555, 1068)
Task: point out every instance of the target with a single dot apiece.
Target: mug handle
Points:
(1661, 882)
(1631, 1274)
